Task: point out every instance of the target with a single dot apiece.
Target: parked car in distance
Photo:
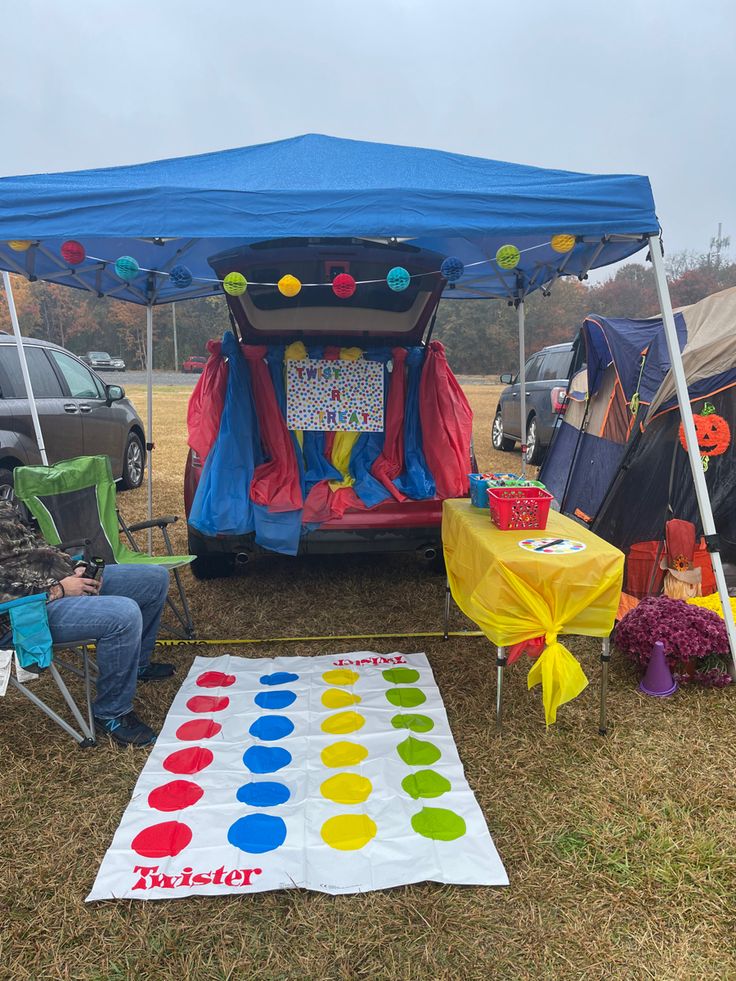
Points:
(194, 364)
(79, 414)
(102, 361)
(547, 376)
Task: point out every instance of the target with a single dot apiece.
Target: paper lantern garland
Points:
(73, 252)
(127, 268)
(452, 268)
(343, 285)
(508, 257)
(398, 279)
(563, 243)
(289, 285)
(180, 277)
(18, 245)
(235, 284)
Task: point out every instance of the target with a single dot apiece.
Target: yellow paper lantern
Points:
(20, 246)
(508, 257)
(563, 243)
(289, 285)
(235, 284)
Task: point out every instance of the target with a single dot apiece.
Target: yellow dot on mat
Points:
(343, 723)
(342, 676)
(334, 698)
(348, 832)
(346, 788)
(343, 754)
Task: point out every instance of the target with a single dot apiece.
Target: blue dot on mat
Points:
(275, 699)
(256, 833)
(266, 759)
(278, 678)
(263, 793)
(272, 727)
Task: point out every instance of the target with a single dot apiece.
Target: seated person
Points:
(121, 614)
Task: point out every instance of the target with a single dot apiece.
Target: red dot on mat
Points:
(208, 703)
(215, 679)
(189, 760)
(175, 795)
(198, 729)
(162, 840)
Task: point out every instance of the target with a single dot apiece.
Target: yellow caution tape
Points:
(292, 640)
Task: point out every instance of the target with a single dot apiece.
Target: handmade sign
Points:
(336, 773)
(329, 396)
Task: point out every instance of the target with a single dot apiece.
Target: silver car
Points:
(79, 414)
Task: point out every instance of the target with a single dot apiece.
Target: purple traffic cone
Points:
(658, 678)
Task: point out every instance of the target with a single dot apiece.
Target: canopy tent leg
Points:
(522, 385)
(691, 439)
(149, 420)
(24, 368)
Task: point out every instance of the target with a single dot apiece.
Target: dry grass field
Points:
(621, 851)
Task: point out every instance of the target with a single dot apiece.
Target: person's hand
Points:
(79, 585)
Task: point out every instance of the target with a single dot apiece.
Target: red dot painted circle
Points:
(208, 703)
(189, 761)
(215, 679)
(175, 795)
(198, 729)
(162, 840)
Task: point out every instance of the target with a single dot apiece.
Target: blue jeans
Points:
(123, 620)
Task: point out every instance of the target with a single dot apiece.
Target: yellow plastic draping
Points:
(514, 594)
(344, 442)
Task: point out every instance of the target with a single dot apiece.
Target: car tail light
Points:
(558, 396)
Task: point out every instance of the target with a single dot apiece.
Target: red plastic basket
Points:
(519, 508)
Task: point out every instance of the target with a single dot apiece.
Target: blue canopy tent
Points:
(178, 212)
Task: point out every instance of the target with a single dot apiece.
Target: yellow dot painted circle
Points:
(334, 698)
(346, 788)
(343, 723)
(289, 285)
(343, 754)
(341, 676)
(348, 832)
(563, 243)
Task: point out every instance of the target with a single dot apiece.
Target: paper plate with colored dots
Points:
(552, 546)
(336, 773)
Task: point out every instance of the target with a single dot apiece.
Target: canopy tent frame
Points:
(452, 204)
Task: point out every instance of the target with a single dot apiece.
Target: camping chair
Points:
(76, 500)
(31, 645)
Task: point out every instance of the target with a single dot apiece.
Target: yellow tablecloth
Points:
(514, 594)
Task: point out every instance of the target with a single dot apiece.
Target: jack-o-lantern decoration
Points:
(713, 432)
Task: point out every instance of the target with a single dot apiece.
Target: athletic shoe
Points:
(127, 730)
(156, 671)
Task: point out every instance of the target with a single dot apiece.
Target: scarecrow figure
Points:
(682, 580)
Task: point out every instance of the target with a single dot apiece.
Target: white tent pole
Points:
(691, 438)
(176, 345)
(24, 368)
(149, 422)
(522, 385)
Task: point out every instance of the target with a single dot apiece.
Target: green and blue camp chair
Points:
(75, 500)
(32, 645)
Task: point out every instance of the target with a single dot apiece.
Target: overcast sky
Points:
(611, 86)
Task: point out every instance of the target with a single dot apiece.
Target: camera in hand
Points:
(94, 568)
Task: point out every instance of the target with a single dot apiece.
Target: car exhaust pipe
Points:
(429, 553)
(242, 558)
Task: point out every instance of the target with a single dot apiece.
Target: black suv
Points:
(547, 375)
(79, 414)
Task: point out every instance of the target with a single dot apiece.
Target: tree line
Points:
(481, 336)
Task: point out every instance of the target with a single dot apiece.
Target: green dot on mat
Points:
(417, 723)
(417, 752)
(401, 676)
(425, 783)
(439, 824)
(405, 697)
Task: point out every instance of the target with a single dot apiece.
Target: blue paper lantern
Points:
(180, 277)
(126, 268)
(398, 279)
(452, 269)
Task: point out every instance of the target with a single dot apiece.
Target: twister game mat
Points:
(337, 774)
